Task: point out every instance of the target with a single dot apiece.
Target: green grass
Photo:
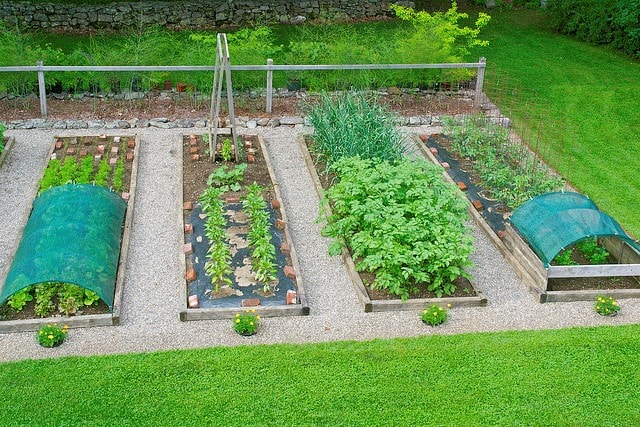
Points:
(591, 90)
(580, 377)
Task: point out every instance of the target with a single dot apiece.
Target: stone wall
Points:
(183, 14)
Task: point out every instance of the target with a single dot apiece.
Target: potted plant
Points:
(246, 323)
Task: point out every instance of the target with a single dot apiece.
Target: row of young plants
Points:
(69, 171)
(67, 298)
(2, 129)
(589, 248)
(218, 255)
(508, 170)
(395, 214)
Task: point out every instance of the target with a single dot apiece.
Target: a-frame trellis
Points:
(222, 70)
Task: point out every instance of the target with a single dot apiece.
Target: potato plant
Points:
(400, 221)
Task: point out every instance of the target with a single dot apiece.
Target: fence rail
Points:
(41, 69)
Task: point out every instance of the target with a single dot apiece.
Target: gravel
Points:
(151, 300)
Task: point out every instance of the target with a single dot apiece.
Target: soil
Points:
(185, 107)
(77, 147)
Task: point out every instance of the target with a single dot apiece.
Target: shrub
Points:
(246, 323)
(402, 222)
(51, 335)
(606, 306)
(434, 315)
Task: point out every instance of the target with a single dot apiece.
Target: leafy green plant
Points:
(350, 125)
(18, 300)
(227, 178)
(86, 170)
(102, 175)
(595, 253)
(90, 297)
(2, 129)
(51, 177)
(52, 335)
(118, 176)
(45, 292)
(606, 306)
(69, 171)
(70, 298)
(246, 323)
(218, 255)
(564, 258)
(225, 152)
(434, 315)
(401, 222)
(263, 252)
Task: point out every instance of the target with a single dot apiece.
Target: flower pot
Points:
(167, 85)
(181, 87)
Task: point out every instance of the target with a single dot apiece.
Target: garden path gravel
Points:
(151, 300)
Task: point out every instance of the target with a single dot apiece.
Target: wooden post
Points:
(269, 86)
(42, 91)
(477, 100)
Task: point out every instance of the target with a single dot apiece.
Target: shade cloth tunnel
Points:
(553, 221)
(73, 236)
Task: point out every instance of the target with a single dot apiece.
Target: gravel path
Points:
(151, 299)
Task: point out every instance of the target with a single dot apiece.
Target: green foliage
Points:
(508, 170)
(564, 258)
(45, 292)
(610, 22)
(401, 222)
(440, 39)
(51, 335)
(102, 175)
(218, 255)
(225, 152)
(606, 306)
(595, 253)
(86, 170)
(52, 175)
(246, 323)
(263, 252)
(18, 300)
(70, 298)
(118, 176)
(2, 129)
(350, 125)
(226, 178)
(434, 315)
(69, 171)
(90, 298)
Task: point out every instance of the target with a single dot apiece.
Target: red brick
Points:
(250, 302)
(251, 151)
(193, 301)
(187, 206)
(434, 151)
(191, 275)
(73, 141)
(83, 152)
(187, 248)
(289, 272)
(131, 143)
(275, 204)
(193, 143)
(114, 150)
(71, 151)
(280, 224)
(100, 149)
(423, 137)
(462, 186)
(58, 145)
(188, 228)
(195, 157)
(193, 150)
(285, 249)
(501, 234)
(129, 156)
(251, 159)
(445, 165)
(232, 200)
(478, 205)
(125, 196)
(113, 161)
(97, 157)
(248, 144)
(292, 297)
(116, 139)
(102, 136)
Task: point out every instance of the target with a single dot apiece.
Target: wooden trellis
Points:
(222, 71)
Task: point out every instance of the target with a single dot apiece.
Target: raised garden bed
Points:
(7, 142)
(69, 149)
(553, 283)
(372, 300)
(238, 287)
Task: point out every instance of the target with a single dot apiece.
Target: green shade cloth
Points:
(553, 221)
(72, 236)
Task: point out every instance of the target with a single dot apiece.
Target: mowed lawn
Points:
(568, 377)
(592, 93)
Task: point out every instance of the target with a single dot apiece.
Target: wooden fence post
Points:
(477, 100)
(42, 91)
(269, 86)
